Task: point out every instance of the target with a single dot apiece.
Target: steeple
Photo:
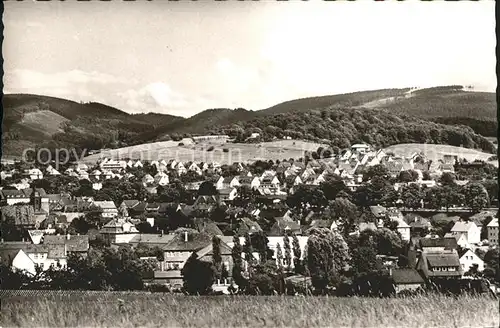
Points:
(35, 199)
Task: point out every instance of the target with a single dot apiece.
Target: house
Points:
(134, 207)
(118, 231)
(460, 237)
(76, 244)
(181, 169)
(147, 180)
(113, 165)
(205, 203)
(470, 229)
(492, 229)
(282, 226)
(151, 239)
(180, 248)
(249, 181)
(418, 224)
(228, 194)
(28, 256)
(195, 168)
(18, 260)
(247, 225)
(226, 182)
(468, 259)
(138, 163)
(360, 148)
(406, 279)
(24, 215)
(34, 174)
(11, 197)
(160, 178)
(436, 265)
(36, 236)
(430, 245)
(108, 208)
(206, 254)
(271, 183)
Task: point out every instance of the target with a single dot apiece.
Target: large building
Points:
(493, 232)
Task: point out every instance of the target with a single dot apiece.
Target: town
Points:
(360, 221)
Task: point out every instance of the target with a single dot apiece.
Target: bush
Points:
(210, 148)
(180, 144)
(225, 150)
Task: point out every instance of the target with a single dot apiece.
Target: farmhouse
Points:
(469, 229)
(406, 279)
(469, 259)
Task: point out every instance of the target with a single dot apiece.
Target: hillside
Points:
(204, 121)
(341, 128)
(41, 121)
(453, 105)
(336, 101)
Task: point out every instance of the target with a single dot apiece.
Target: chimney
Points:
(186, 236)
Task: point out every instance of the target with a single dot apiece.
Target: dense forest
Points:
(342, 128)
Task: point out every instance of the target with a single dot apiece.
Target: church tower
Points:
(35, 199)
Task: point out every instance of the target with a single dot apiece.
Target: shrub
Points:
(226, 150)
(210, 148)
(180, 144)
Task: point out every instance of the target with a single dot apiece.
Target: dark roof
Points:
(23, 193)
(22, 214)
(248, 226)
(195, 242)
(53, 251)
(130, 203)
(406, 276)
(443, 260)
(75, 243)
(281, 225)
(152, 240)
(447, 243)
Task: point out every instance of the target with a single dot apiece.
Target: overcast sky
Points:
(184, 57)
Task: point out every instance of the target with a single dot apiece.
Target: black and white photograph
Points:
(203, 163)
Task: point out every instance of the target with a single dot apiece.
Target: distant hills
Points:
(36, 120)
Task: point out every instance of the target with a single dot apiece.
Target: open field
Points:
(236, 152)
(435, 152)
(147, 310)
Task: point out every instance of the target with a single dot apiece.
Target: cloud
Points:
(155, 97)
(75, 84)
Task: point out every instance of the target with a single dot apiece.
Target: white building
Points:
(468, 259)
(108, 208)
(492, 228)
(470, 229)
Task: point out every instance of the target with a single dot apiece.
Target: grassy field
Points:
(236, 152)
(147, 310)
(435, 152)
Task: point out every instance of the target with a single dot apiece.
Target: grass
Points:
(236, 152)
(146, 310)
(435, 152)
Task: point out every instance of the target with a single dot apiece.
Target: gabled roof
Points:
(463, 226)
(447, 243)
(195, 242)
(442, 259)
(406, 276)
(75, 243)
(152, 239)
(247, 225)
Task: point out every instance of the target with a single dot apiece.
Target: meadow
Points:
(166, 310)
(223, 153)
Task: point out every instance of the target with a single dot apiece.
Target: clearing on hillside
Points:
(210, 151)
(436, 152)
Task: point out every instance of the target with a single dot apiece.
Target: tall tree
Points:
(288, 256)
(279, 256)
(297, 254)
(476, 196)
(216, 256)
(327, 257)
(412, 196)
(198, 276)
(237, 261)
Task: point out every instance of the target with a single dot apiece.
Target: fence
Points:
(67, 293)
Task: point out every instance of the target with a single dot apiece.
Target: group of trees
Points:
(344, 128)
(103, 268)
